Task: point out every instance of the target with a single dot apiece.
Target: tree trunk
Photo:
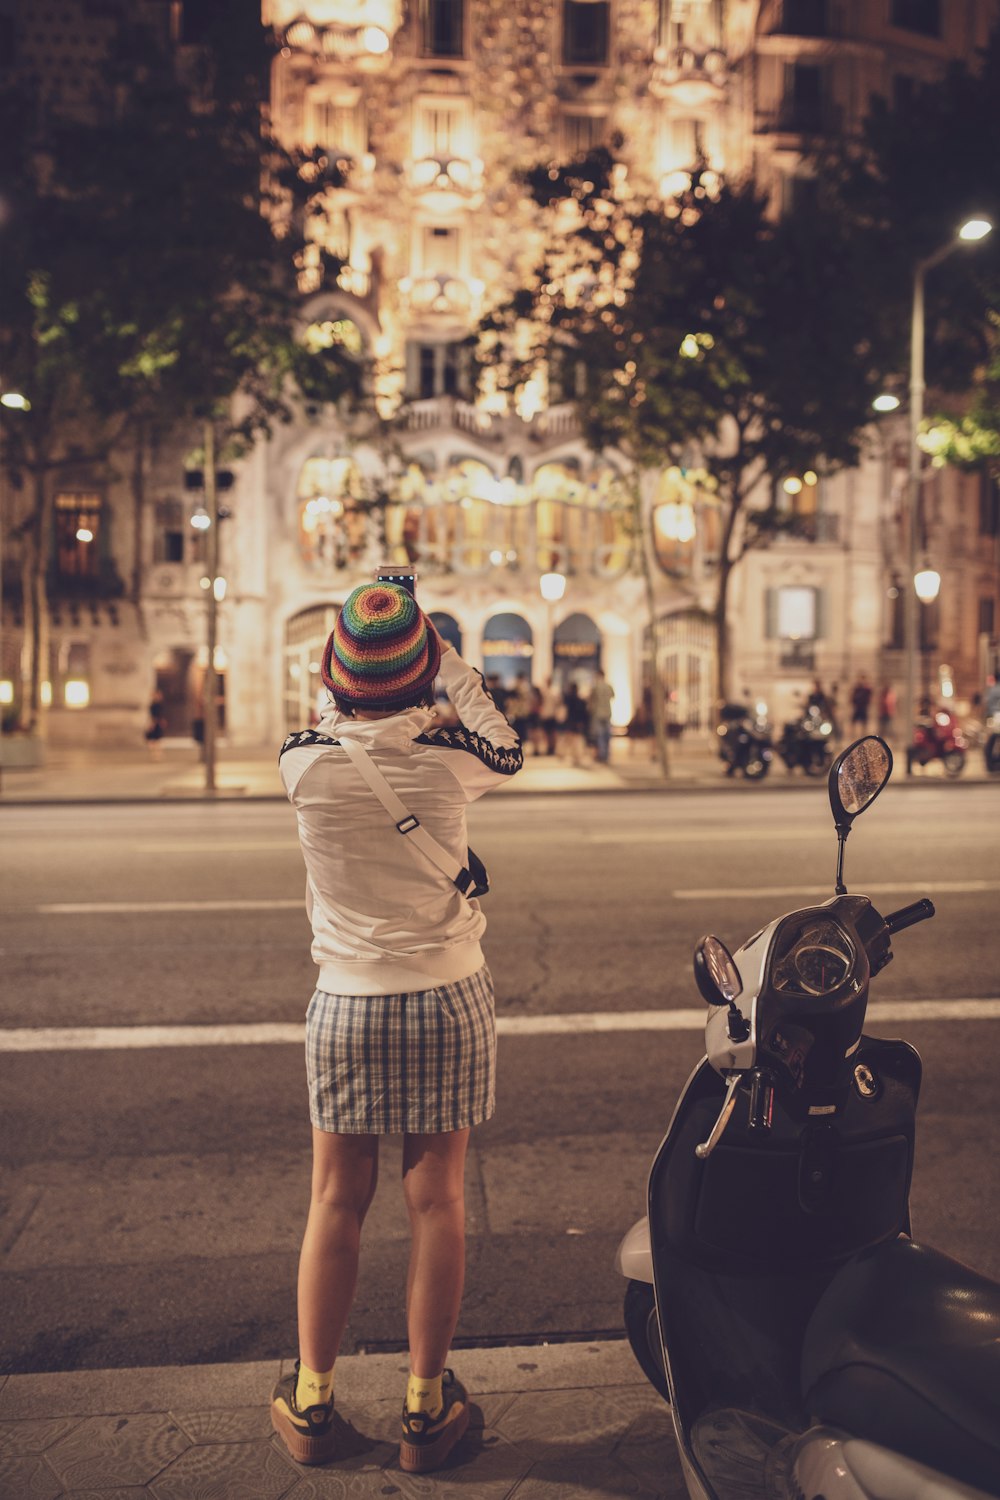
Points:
(656, 677)
(138, 508)
(723, 663)
(35, 647)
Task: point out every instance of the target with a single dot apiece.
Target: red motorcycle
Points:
(937, 736)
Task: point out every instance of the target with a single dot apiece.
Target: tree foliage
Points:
(151, 250)
(920, 170)
(701, 325)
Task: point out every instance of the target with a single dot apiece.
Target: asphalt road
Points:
(152, 1199)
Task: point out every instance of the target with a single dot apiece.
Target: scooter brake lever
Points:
(706, 1148)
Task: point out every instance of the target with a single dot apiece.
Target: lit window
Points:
(796, 614)
(336, 123)
(441, 251)
(442, 128)
(77, 512)
(76, 694)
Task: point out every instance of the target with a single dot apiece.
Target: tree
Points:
(151, 257)
(702, 324)
(917, 173)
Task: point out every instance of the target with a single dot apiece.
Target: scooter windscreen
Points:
(812, 1003)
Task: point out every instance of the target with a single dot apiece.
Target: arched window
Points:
(576, 650)
(507, 649)
(305, 636)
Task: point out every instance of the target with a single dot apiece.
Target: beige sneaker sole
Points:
(421, 1458)
(304, 1450)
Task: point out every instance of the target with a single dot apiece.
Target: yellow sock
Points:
(423, 1393)
(312, 1388)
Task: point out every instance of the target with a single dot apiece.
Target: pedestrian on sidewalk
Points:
(400, 1033)
(599, 705)
(861, 699)
(575, 723)
(157, 726)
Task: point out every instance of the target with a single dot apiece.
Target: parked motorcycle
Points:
(991, 746)
(745, 741)
(808, 742)
(809, 1348)
(937, 736)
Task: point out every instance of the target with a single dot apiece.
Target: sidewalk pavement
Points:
(95, 774)
(549, 1422)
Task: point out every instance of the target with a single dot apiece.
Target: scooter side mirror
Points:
(715, 972)
(856, 777)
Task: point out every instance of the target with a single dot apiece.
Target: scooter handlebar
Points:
(908, 916)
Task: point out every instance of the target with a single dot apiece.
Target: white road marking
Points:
(887, 888)
(277, 1033)
(728, 893)
(102, 908)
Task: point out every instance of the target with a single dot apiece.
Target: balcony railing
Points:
(800, 117)
(822, 527)
(806, 18)
(797, 656)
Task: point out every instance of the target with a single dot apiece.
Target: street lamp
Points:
(552, 586)
(971, 231)
(205, 519)
(11, 401)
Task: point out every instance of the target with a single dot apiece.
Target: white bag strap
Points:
(406, 823)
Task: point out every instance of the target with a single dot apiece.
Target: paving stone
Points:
(27, 1478)
(555, 1419)
(130, 1492)
(649, 1451)
(34, 1437)
(116, 1451)
(241, 1426)
(575, 1474)
(226, 1471)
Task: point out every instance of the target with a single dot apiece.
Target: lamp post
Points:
(207, 518)
(12, 401)
(970, 232)
(552, 586)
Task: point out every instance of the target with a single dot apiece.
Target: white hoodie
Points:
(385, 919)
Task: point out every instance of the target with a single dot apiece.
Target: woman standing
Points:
(400, 1035)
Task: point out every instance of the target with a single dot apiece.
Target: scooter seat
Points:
(903, 1349)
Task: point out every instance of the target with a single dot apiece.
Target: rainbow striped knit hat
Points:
(381, 654)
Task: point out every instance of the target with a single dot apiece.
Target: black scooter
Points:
(809, 1348)
(744, 741)
(808, 742)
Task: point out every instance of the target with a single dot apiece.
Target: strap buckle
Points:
(407, 824)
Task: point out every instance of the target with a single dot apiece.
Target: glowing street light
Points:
(927, 584)
(553, 586)
(886, 402)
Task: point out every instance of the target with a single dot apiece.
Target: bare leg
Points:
(434, 1187)
(345, 1172)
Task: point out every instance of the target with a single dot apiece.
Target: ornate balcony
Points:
(359, 32)
(690, 77)
(442, 296)
(447, 184)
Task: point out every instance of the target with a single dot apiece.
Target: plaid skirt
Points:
(421, 1062)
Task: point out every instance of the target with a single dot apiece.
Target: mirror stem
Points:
(840, 889)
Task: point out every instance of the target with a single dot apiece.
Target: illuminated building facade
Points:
(435, 105)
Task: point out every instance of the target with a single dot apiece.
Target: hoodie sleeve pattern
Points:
(504, 761)
(304, 739)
